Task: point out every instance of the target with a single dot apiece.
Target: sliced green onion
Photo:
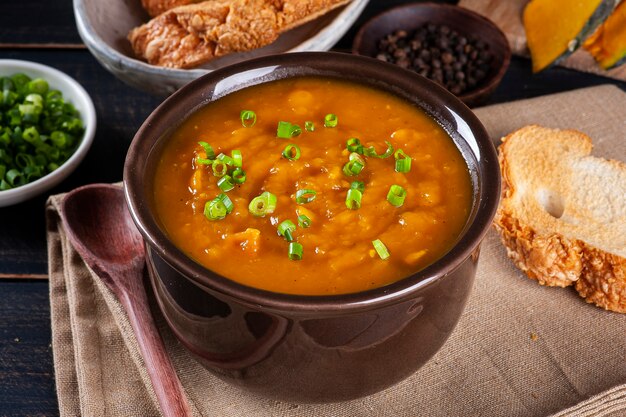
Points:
(304, 221)
(59, 139)
(237, 158)
(225, 183)
(218, 208)
(354, 156)
(15, 177)
(287, 130)
(358, 185)
(396, 195)
(286, 229)
(354, 145)
(210, 153)
(371, 151)
(248, 118)
(214, 211)
(23, 160)
(330, 120)
(225, 159)
(292, 152)
(263, 204)
(228, 203)
(305, 196)
(309, 126)
(353, 199)
(238, 176)
(295, 251)
(381, 249)
(219, 168)
(403, 161)
(204, 161)
(38, 85)
(353, 167)
(39, 130)
(31, 135)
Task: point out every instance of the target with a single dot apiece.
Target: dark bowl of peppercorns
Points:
(461, 50)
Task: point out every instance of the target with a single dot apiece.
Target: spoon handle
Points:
(165, 382)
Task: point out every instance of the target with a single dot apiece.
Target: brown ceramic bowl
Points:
(409, 17)
(312, 348)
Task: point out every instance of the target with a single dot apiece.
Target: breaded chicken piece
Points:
(156, 7)
(190, 35)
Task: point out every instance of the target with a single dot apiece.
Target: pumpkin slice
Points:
(608, 43)
(556, 28)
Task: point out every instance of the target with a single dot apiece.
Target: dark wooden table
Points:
(45, 32)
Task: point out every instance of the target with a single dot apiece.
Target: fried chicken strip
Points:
(156, 7)
(190, 35)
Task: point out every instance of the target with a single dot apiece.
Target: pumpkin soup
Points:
(312, 186)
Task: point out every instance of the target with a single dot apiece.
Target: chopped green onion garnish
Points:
(353, 167)
(305, 196)
(330, 120)
(219, 168)
(239, 176)
(381, 249)
(208, 149)
(248, 118)
(39, 130)
(214, 210)
(355, 156)
(354, 145)
(304, 221)
(309, 126)
(358, 185)
(237, 158)
(263, 204)
(203, 161)
(295, 251)
(287, 130)
(403, 161)
(371, 151)
(353, 199)
(225, 159)
(218, 208)
(225, 183)
(292, 152)
(286, 229)
(14, 177)
(396, 195)
(228, 203)
(295, 131)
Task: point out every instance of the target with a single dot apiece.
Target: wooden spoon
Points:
(101, 230)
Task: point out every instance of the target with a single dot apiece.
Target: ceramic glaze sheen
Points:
(299, 347)
(338, 254)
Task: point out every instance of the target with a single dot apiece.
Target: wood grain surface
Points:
(508, 16)
(45, 32)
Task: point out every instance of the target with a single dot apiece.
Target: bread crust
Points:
(603, 280)
(552, 260)
(547, 256)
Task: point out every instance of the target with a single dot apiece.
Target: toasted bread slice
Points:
(562, 216)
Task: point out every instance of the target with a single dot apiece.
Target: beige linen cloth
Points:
(520, 349)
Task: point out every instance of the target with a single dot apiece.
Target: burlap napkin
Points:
(520, 349)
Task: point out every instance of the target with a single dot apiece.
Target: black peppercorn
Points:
(440, 53)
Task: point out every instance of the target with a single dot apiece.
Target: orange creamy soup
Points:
(338, 202)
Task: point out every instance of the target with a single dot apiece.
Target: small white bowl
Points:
(73, 93)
